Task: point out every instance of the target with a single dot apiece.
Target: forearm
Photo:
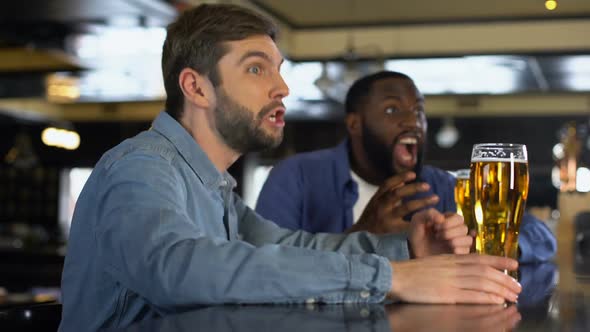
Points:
(258, 232)
(175, 267)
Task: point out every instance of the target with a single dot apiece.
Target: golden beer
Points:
(463, 199)
(500, 189)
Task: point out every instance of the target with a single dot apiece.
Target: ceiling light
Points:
(448, 135)
(551, 4)
(60, 138)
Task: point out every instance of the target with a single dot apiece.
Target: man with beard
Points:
(158, 229)
(374, 180)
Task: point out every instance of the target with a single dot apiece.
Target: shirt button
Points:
(365, 294)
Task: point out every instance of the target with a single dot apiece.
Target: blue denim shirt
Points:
(157, 230)
(320, 194)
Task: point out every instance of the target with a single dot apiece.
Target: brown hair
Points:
(195, 40)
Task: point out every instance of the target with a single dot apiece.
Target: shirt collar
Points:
(191, 152)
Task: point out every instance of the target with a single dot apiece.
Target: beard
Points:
(380, 154)
(240, 128)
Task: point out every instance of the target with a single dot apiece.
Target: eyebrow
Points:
(396, 97)
(257, 54)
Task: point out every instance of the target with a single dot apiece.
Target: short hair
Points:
(195, 40)
(361, 88)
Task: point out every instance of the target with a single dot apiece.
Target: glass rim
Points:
(499, 152)
(463, 173)
(510, 145)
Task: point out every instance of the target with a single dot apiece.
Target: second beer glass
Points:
(500, 183)
(463, 202)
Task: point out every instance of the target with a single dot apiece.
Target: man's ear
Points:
(354, 124)
(196, 88)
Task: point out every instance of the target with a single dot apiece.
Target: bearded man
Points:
(375, 180)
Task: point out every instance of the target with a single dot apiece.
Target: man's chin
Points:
(267, 142)
(275, 140)
(398, 169)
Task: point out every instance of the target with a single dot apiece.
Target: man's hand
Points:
(385, 211)
(432, 233)
(455, 279)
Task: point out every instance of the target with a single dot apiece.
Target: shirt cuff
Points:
(370, 278)
(393, 247)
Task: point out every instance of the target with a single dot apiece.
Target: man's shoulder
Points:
(311, 158)
(147, 144)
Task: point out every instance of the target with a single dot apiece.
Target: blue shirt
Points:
(157, 229)
(314, 191)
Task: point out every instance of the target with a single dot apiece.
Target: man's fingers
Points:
(411, 189)
(497, 262)
(452, 231)
(461, 245)
(414, 205)
(478, 297)
(490, 274)
(489, 287)
(395, 182)
(450, 219)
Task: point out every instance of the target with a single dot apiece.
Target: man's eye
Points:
(390, 110)
(254, 70)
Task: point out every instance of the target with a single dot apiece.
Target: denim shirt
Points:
(157, 229)
(320, 194)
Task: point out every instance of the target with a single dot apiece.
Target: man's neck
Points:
(201, 128)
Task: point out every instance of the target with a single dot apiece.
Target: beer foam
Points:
(497, 160)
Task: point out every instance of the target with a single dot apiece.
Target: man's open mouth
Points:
(277, 117)
(405, 151)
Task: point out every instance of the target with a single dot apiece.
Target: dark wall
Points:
(30, 195)
(95, 139)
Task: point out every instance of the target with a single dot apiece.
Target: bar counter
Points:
(544, 305)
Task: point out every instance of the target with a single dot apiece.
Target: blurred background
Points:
(79, 76)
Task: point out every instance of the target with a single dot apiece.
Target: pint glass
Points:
(500, 180)
(463, 200)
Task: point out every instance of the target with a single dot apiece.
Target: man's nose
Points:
(411, 120)
(280, 89)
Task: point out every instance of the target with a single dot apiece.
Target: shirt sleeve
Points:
(149, 244)
(535, 240)
(258, 231)
(283, 186)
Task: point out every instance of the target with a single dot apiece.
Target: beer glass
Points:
(463, 201)
(500, 183)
